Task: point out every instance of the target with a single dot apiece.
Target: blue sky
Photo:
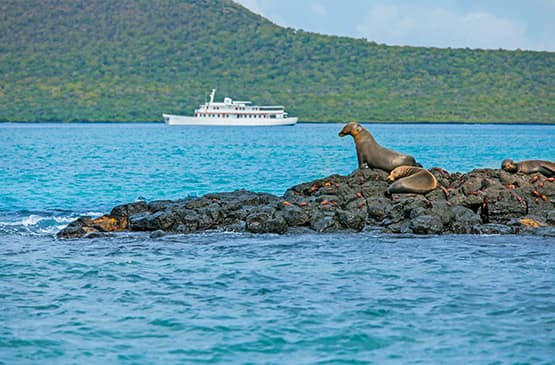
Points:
(487, 24)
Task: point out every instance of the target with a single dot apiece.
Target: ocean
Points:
(238, 298)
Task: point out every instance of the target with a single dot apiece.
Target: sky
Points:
(486, 24)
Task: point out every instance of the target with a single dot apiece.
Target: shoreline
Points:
(482, 201)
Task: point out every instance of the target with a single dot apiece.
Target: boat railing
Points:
(271, 107)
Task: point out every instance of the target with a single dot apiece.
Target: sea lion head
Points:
(399, 172)
(352, 128)
(392, 176)
(509, 165)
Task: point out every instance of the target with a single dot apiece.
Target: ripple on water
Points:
(308, 298)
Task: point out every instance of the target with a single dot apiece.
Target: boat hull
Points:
(170, 119)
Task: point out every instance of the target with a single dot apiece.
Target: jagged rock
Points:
(492, 228)
(486, 201)
(265, 221)
(125, 210)
(295, 216)
(77, 228)
(464, 221)
(354, 219)
(426, 224)
(163, 219)
(323, 222)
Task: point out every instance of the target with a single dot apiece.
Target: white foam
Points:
(32, 220)
(36, 224)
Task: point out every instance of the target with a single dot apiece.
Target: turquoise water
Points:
(241, 298)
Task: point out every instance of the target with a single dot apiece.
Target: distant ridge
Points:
(132, 60)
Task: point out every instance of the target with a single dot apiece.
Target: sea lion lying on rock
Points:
(411, 179)
(546, 168)
(370, 153)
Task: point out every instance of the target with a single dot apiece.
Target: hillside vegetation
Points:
(132, 60)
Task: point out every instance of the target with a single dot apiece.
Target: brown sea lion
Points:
(411, 179)
(369, 152)
(546, 168)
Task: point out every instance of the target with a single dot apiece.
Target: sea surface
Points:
(238, 298)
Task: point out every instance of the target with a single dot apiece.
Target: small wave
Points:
(37, 223)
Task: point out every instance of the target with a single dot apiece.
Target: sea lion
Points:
(546, 168)
(369, 152)
(411, 179)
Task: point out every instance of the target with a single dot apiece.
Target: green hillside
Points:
(132, 60)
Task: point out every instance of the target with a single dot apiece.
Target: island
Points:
(482, 201)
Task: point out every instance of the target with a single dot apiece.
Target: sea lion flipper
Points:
(411, 179)
(360, 161)
(546, 170)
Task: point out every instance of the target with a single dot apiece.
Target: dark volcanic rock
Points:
(480, 201)
(265, 220)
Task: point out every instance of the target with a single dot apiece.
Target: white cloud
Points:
(439, 27)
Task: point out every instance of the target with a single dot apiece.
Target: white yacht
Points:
(233, 113)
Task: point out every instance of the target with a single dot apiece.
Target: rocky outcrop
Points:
(480, 201)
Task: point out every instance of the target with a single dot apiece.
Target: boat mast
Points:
(212, 94)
